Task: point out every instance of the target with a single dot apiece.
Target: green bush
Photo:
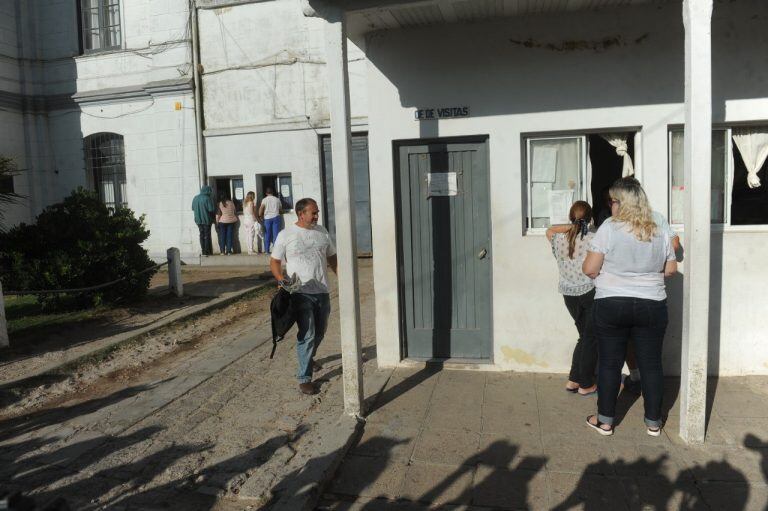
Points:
(77, 243)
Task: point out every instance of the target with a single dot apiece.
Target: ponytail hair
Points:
(580, 216)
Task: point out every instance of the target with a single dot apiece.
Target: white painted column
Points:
(344, 209)
(174, 271)
(4, 342)
(697, 18)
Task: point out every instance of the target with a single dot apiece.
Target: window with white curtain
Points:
(567, 168)
(105, 159)
(739, 176)
(100, 25)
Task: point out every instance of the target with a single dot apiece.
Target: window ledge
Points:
(728, 228)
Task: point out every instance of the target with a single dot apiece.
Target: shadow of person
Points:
(753, 443)
(504, 487)
(594, 491)
(355, 474)
(732, 493)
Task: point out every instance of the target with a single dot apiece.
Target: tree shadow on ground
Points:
(32, 423)
(110, 471)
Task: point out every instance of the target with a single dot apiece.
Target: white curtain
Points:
(619, 141)
(753, 146)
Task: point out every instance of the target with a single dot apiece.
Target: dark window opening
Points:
(6, 184)
(607, 167)
(749, 206)
(282, 186)
(105, 158)
(232, 189)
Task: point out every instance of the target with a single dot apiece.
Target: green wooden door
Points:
(445, 250)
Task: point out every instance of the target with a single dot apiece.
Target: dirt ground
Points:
(33, 351)
(199, 418)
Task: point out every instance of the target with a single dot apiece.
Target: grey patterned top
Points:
(573, 282)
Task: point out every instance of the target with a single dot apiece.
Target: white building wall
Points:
(514, 89)
(266, 94)
(161, 164)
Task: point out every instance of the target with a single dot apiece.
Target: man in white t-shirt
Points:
(269, 215)
(307, 250)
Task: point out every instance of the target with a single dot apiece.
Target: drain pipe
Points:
(198, 94)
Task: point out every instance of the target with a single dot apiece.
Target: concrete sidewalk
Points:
(481, 440)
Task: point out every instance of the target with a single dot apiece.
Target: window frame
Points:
(729, 173)
(102, 8)
(96, 184)
(586, 172)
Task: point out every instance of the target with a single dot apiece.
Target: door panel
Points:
(445, 252)
(362, 196)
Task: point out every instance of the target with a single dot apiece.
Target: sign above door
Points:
(449, 112)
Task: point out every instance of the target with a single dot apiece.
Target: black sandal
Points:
(597, 427)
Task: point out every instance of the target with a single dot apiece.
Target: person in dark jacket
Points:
(204, 209)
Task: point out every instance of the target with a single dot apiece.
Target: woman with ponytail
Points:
(569, 246)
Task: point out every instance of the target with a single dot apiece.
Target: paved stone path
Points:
(221, 426)
(475, 440)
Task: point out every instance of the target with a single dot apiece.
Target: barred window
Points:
(105, 157)
(100, 25)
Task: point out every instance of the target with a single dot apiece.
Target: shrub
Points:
(78, 243)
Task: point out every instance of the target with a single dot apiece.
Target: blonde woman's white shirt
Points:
(631, 267)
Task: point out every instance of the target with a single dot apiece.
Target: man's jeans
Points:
(584, 358)
(206, 244)
(271, 230)
(617, 320)
(312, 311)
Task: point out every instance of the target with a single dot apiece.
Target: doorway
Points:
(444, 247)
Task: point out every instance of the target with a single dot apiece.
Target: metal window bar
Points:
(101, 24)
(105, 155)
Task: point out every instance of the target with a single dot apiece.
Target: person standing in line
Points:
(249, 220)
(307, 250)
(629, 257)
(204, 210)
(269, 214)
(569, 246)
(631, 382)
(226, 219)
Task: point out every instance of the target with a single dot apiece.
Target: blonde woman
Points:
(569, 246)
(249, 219)
(629, 257)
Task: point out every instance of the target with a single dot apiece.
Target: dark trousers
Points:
(584, 358)
(225, 232)
(206, 244)
(617, 320)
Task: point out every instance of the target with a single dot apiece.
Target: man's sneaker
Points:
(307, 388)
(632, 386)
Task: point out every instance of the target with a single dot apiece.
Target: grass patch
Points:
(24, 314)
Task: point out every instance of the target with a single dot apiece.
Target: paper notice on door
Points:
(442, 184)
(544, 165)
(285, 190)
(560, 202)
(239, 193)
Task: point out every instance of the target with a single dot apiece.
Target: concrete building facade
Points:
(524, 87)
